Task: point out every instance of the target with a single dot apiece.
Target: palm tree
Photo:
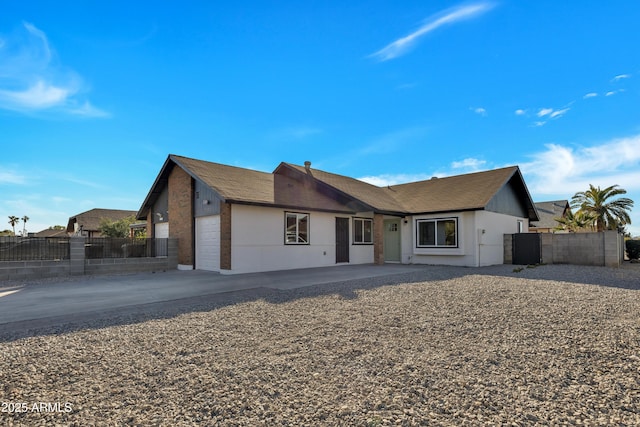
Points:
(606, 213)
(24, 225)
(571, 222)
(13, 220)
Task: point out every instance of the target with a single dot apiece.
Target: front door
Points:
(392, 240)
(342, 240)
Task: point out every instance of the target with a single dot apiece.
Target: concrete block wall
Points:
(599, 249)
(172, 254)
(76, 253)
(546, 247)
(78, 265)
(578, 248)
(125, 265)
(24, 270)
(507, 245)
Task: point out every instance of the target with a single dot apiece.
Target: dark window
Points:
(296, 228)
(437, 233)
(362, 231)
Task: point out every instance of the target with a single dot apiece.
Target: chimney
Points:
(307, 166)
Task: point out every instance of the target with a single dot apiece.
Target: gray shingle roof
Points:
(454, 193)
(230, 182)
(295, 186)
(90, 220)
(548, 212)
(374, 196)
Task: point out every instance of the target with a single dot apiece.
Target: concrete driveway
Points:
(83, 296)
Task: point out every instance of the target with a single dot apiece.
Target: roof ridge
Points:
(468, 174)
(173, 156)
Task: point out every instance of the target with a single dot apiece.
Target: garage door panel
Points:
(208, 243)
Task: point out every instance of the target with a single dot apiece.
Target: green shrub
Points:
(633, 249)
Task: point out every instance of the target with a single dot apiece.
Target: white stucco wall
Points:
(490, 245)
(258, 241)
(475, 248)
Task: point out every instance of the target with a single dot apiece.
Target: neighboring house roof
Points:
(90, 220)
(51, 232)
(549, 211)
(291, 185)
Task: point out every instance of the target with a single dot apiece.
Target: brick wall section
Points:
(378, 239)
(181, 214)
(151, 232)
(225, 236)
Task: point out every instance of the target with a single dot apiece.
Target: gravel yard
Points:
(441, 346)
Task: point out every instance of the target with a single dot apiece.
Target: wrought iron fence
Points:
(109, 247)
(33, 248)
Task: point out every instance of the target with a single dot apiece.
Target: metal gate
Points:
(526, 248)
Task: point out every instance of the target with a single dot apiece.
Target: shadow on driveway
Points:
(97, 302)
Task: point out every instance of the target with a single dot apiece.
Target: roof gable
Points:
(549, 211)
(454, 193)
(232, 183)
(370, 196)
(500, 190)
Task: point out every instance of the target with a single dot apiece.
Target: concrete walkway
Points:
(82, 296)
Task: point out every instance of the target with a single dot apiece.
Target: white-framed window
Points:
(296, 228)
(520, 226)
(437, 233)
(362, 231)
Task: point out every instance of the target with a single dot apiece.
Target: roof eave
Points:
(153, 194)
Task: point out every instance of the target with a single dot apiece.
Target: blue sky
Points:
(95, 95)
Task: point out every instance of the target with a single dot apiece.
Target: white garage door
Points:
(208, 243)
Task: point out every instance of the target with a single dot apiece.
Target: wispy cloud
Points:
(621, 77)
(32, 80)
(10, 177)
(614, 92)
(467, 165)
(549, 114)
(390, 142)
(394, 179)
(560, 171)
(480, 111)
(564, 170)
(403, 45)
(544, 112)
(297, 133)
